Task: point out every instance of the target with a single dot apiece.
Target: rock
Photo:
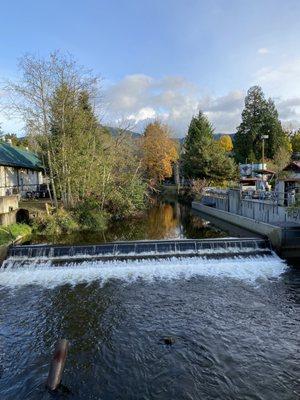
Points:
(168, 340)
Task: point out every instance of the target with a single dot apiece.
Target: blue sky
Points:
(166, 58)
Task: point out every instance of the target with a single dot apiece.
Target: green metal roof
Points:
(17, 157)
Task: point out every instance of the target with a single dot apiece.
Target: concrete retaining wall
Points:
(8, 209)
(265, 211)
(8, 203)
(274, 233)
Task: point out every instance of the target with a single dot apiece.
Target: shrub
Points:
(60, 222)
(90, 217)
(11, 232)
(128, 199)
(197, 188)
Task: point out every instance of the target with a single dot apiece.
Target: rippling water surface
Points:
(234, 323)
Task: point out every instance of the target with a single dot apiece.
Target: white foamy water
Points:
(45, 275)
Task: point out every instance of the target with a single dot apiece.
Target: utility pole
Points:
(263, 152)
(263, 148)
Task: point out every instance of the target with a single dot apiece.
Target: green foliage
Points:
(60, 222)
(126, 200)
(259, 118)
(204, 158)
(90, 217)
(86, 216)
(279, 162)
(15, 140)
(75, 143)
(11, 232)
(57, 99)
(295, 141)
(198, 140)
(88, 163)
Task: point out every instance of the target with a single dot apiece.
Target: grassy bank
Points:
(11, 232)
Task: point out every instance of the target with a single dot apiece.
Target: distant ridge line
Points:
(114, 131)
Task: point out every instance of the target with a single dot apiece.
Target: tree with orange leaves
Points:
(159, 152)
(226, 142)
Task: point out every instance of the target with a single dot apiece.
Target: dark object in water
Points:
(168, 340)
(57, 365)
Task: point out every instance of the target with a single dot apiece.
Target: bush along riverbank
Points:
(85, 217)
(10, 233)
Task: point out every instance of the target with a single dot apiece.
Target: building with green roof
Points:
(20, 170)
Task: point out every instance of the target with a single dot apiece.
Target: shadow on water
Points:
(164, 220)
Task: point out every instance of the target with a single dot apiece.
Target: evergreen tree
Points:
(295, 141)
(259, 118)
(199, 137)
(204, 158)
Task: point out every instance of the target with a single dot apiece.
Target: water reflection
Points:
(164, 220)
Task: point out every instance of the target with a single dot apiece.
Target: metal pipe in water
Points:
(57, 364)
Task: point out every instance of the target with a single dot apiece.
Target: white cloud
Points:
(141, 98)
(282, 80)
(142, 115)
(263, 51)
(231, 102)
(282, 83)
(289, 108)
(173, 99)
(138, 99)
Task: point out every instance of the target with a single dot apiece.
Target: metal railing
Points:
(286, 198)
(24, 190)
(269, 207)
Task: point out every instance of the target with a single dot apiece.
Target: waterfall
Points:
(49, 266)
(252, 269)
(213, 248)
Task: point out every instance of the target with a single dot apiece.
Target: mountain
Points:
(115, 132)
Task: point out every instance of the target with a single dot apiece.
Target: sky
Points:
(164, 59)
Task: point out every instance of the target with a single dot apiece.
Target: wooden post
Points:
(47, 208)
(57, 364)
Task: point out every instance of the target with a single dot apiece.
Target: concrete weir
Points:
(284, 239)
(145, 249)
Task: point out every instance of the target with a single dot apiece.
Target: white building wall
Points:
(2, 181)
(18, 180)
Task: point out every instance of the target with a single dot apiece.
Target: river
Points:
(162, 220)
(234, 322)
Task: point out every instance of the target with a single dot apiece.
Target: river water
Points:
(162, 220)
(234, 323)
